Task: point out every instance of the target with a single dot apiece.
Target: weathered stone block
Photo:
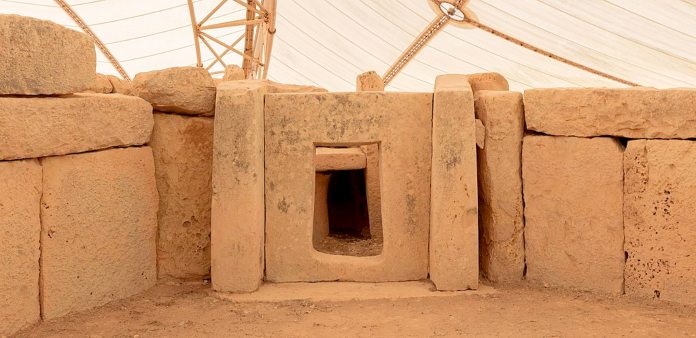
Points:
(20, 229)
(184, 90)
(631, 113)
(454, 202)
(500, 186)
(294, 123)
(369, 82)
(573, 194)
(659, 218)
(99, 225)
(39, 57)
(183, 150)
(102, 85)
(339, 159)
(233, 73)
(120, 86)
(37, 127)
(237, 215)
(487, 81)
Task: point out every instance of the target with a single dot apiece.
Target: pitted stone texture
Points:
(99, 224)
(487, 81)
(20, 229)
(183, 151)
(339, 159)
(233, 73)
(39, 57)
(237, 215)
(659, 219)
(369, 82)
(102, 85)
(293, 124)
(500, 186)
(38, 127)
(573, 194)
(183, 90)
(631, 113)
(454, 202)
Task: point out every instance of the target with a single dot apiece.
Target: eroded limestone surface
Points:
(500, 186)
(573, 194)
(37, 127)
(183, 150)
(40, 57)
(99, 225)
(183, 90)
(369, 82)
(20, 229)
(659, 219)
(631, 113)
(487, 81)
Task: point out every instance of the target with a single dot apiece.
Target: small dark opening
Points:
(342, 213)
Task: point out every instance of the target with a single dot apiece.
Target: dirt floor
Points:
(191, 311)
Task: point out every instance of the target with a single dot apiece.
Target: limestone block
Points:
(184, 90)
(500, 186)
(37, 127)
(487, 81)
(480, 134)
(369, 82)
(294, 123)
(454, 197)
(102, 85)
(237, 211)
(99, 225)
(573, 195)
(233, 73)
(39, 57)
(183, 150)
(631, 113)
(20, 228)
(660, 193)
(339, 159)
(120, 86)
(372, 182)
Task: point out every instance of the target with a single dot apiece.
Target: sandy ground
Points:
(191, 311)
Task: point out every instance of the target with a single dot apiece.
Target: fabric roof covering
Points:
(329, 42)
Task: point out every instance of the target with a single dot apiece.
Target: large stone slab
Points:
(573, 194)
(295, 123)
(454, 197)
(183, 151)
(38, 127)
(99, 228)
(42, 57)
(631, 113)
(183, 90)
(237, 215)
(500, 186)
(20, 229)
(659, 219)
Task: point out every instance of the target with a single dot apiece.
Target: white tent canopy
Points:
(329, 42)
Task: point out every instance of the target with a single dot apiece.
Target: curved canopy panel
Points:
(329, 42)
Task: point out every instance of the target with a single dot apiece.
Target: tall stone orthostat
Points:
(39, 57)
(183, 151)
(660, 193)
(20, 230)
(99, 226)
(454, 196)
(501, 211)
(573, 194)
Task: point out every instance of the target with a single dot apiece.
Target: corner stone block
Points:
(40, 57)
(47, 126)
(630, 113)
(573, 194)
(99, 224)
(454, 197)
(183, 150)
(500, 186)
(660, 194)
(20, 229)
